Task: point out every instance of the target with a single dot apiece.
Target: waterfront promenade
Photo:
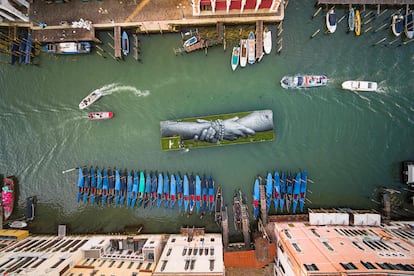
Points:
(52, 22)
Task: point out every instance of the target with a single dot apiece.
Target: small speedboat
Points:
(368, 86)
(397, 24)
(351, 20)
(235, 55)
(357, 23)
(90, 99)
(331, 21)
(303, 81)
(251, 48)
(409, 24)
(267, 41)
(243, 52)
(101, 115)
(191, 41)
(125, 43)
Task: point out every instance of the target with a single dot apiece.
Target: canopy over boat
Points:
(368, 86)
(409, 25)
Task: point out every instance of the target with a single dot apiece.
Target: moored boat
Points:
(303, 188)
(7, 197)
(204, 194)
(296, 192)
(218, 206)
(90, 99)
(105, 186)
(186, 193)
(154, 185)
(141, 189)
(160, 189)
(357, 23)
(237, 213)
(123, 190)
(267, 41)
(276, 191)
(125, 43)
(30, 208)
(98, 186)
(130, 184)
(147, 191)
(409, 24)
(283, 191)
(191, 41)
(28, 49)
(251, 48)
(173, 191)
(67, 48)
(134, 194)
(117, 186)
(18, 224)
(289, 191)
(304, 81)
(81, 183)
(351, 20)
(211, 193)
(180, 191)
(256, 198)
(101, 115)
(367, 86)
(192, 192)
(397, 24)
(86, 187)
(243, 52)
(198, 193)
(166, 194)
(235, 56)
(93, 185)
(269, 191)
(331, 21)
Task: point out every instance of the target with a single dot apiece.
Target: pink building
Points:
(217, 7)
(339, 248)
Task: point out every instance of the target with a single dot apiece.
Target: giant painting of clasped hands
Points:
(225, 129)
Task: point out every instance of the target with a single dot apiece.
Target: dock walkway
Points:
(117, 42)
(366, 2)
(259, 39)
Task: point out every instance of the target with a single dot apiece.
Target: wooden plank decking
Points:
(117, 42)
(259, 39)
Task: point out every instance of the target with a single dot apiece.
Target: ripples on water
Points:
(349, 142)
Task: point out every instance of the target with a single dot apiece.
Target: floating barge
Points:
(217, 130)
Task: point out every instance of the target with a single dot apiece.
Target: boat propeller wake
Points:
(116, 87)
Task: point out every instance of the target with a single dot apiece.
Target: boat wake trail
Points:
(116, 87)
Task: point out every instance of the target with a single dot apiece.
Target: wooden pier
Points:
(259, 39)
(263, 208)
(245, 225)
(366, 2)
(117, 42)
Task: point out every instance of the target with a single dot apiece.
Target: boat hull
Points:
(397, 24)
(267, 41)
(361, 86)
(351, 20)
(357, 23)
(243, 52)
(95, 116)
(7, 197)
(125, 43)
(235, 56)
(331, 21)
(90, 99)
(67, 48)
(303, 81)
(409, 25)
(251, 48)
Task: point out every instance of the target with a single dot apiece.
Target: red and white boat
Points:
(101, 115)
(7, 197)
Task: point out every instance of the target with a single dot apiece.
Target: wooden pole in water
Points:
(280, 40)
(391, 42)
(110, 45)
(369, 28)
(111, 36)
(100, 54)
(382, 27)
(408, 41)
(369, 20)
(379, 41)
(342, 18)
(99, 47)
(315, 33)
(384, 11)
(317, 12)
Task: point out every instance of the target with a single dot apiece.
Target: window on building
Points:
(288, 234)
(358, 246)
(348, 266)
(281, 247)
(368, 265)
(169, 252)
(311, 267)
(164, 264)
(282, 268)
(187, 264)
(315, 233)
(184, 251)
(327, 245)
(211, 265)
(296, 246)
(173, 240)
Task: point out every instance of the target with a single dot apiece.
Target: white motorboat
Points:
(354, 85)
(267, 41)
(409, 25)
(331, 21)
(243, 52)
(397, 24)
(90, 99)
(18, 224)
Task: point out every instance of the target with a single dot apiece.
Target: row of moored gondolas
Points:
(147, 189)
(285, 190)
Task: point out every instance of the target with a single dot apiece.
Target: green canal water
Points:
(350, 143)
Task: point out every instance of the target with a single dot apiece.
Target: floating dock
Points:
(217, 130)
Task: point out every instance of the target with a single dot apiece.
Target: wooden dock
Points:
(225, 226)
(245, 225)
(117, 42)
(263, 208)
(259, 39)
